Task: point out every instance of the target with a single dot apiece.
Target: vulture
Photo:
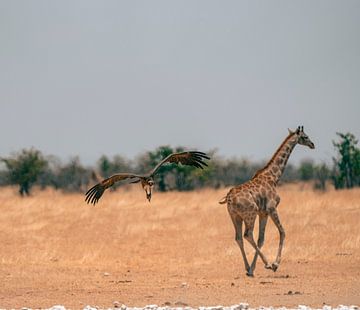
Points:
(189, 158)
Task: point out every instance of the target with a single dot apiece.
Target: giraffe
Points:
(258, 196)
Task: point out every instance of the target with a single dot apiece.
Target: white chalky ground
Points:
(241, 306)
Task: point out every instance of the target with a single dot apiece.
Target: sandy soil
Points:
(179, 250)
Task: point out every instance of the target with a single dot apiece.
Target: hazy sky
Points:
(123, 77)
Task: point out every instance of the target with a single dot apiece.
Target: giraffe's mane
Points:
(291, 134)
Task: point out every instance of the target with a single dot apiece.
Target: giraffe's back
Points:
(252, 196)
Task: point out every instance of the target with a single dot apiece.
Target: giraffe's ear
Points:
(290, 131)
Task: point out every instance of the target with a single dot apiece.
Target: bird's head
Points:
(148, 185)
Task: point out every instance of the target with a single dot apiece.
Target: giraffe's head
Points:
(303, 138)
(147, 184)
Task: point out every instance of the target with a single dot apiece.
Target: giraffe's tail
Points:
(223, 200)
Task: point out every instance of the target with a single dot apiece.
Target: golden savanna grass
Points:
(179, 249)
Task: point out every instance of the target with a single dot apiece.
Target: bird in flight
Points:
(189, 158)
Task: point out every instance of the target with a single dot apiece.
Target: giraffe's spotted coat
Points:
(258, 197)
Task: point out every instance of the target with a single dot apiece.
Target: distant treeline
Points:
(30, 167)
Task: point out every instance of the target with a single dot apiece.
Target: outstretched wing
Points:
(190, 158)
(94, 194)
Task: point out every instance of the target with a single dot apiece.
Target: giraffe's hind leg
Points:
(237, 221)
(260, 243)
(249, 236)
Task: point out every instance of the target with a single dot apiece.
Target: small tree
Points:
(321, 175)
(306, 170)
(48, 177)
(347, 163)
(291, 174)
(232, 171)
(73, 177)
(24, 169)
(104, 166)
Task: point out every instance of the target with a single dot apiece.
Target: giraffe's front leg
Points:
(275, 217)
(260, 243)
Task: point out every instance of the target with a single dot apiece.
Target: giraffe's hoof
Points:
(268, 266)
(274, 266)
(250, 273)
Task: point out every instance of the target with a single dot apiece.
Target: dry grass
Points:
(57, 248)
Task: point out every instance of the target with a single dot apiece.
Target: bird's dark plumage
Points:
(189, 158)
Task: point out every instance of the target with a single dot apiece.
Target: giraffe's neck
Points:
(276, 165)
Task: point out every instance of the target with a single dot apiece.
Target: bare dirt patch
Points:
(178, 250)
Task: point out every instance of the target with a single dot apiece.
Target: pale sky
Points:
(123, 77)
